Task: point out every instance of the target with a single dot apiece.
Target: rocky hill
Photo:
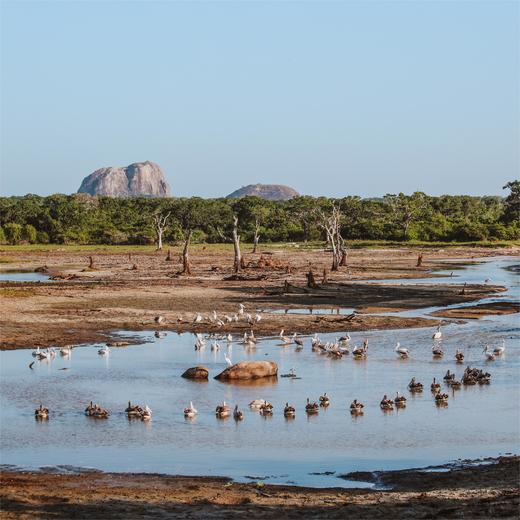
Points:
(144, 179)
(265, 191)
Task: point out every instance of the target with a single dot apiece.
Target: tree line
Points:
(82, 219)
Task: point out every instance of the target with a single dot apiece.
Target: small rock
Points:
(198, 372)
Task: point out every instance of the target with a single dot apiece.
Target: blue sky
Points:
(332, 98)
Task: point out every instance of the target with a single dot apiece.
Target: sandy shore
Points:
(489, 490)
(88, 305)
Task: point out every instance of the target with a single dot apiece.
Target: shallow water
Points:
(479, 420)
(23, 276)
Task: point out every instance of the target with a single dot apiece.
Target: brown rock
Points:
(198, 372)
(249, 370)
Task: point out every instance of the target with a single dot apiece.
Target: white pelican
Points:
(190, 411)
(241, 309)
(489, 354)
(228, 361)
(65, 351)
(222, 410)
(238, 415)
(498, 351)
(257, 403)
(41, 412)
(298, 341)
(438, 334)
(104, 351)
(229, 338)
(159, 319)
(345, 338)
(287, 340)
(215, 346)
(360, 351)
(437, 351)
(37, 352)
(402, 351)
(147, 413)
(198, 318)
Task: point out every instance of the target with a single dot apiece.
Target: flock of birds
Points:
(471, 376)
(337, 348)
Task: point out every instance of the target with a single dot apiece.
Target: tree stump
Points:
(311, 282)
(91, 262)
(344, 256)
(134, 267)
(419, 260)
(169, 258)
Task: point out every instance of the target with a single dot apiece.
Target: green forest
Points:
(83, 219)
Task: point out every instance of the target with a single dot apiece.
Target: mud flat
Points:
(489, 489)
(480, 311)
(125, 291)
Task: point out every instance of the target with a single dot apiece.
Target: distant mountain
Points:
(265, 191)
(144, 179)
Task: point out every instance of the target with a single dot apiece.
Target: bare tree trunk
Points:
(236, 245)
(186, 265)
(344, 256)
(159, 222)
(325, 277)
(256, 236)
(235, 238)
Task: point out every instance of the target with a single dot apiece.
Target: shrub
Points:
(13, 233)
(29, 233)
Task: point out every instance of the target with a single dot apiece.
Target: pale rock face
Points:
(249, 370)
(137, 180)
(265, 191)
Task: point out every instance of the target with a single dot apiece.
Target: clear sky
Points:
(332, 98)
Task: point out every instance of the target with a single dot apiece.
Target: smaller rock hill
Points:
(265, 191)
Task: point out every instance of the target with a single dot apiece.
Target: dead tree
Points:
(186, 264)
(330, 222)
(344, 256)
(311, 281)
(159, 224)
(325, 278)
(256, 236)
(235, 238)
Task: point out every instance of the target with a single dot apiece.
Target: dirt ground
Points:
(484, 491)
(125, 291)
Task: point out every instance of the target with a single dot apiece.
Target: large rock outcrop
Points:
(143, 179)
(249, 370)
(265, 191)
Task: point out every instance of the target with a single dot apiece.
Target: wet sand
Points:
(89, 305)
(489, 490)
